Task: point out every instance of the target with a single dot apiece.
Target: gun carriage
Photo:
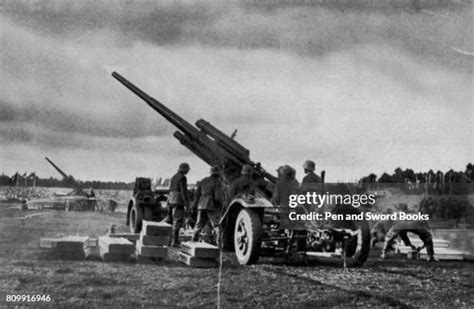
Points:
(253, 226)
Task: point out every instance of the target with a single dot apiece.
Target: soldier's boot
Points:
(432, 258)
(196, 235)
(175, 238)
(430, 251)
(386, 246)
(373, 241)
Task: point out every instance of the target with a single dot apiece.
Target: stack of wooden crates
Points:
(198, 254)
(113, 249)
(72, 247)
(153, 241)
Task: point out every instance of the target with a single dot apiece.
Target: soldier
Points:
(380, 230)
(208, 201)
(285, 186)
(401, 228)
(310, 178)
(244, 184)
(178, 200)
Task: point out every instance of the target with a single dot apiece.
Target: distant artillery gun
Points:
(77, 199)
(253, 226)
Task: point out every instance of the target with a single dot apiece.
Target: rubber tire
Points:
(136, 219)
(248, 221)
(357, 250)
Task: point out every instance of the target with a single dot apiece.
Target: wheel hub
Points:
(242, 238)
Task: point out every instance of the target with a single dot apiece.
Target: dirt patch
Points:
(28, 269)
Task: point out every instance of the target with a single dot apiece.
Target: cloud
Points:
(310, 28)
(357, 91)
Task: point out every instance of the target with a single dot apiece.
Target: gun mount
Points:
(249, 222)
(206, 141)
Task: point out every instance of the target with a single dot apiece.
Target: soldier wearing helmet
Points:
(178, 200)
(208, 201)
(244, 184)
(285, 186)
(311, 178)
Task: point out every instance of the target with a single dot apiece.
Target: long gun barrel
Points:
(57, 168)
(164, 111)
(208, 143)
(68, 179)
(222, 139)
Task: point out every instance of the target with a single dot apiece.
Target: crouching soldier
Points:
(208, 201)
(401, 228)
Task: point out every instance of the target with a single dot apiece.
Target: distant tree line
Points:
(430, 181)
(34, 180)
(409, 176)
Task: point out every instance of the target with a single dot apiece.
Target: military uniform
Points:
(242, 185)
(283, 189)
(310, 178)
(311, 181)
(401, 228)
(208, 202)
(177, 200)
(379, 231)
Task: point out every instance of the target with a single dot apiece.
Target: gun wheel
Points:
(247, 237)
(136, 218)
(358, 245)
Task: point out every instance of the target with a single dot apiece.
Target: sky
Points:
(358, 89)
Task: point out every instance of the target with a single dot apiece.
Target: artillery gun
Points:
(77, 199)
(68, 179)
(254, 227)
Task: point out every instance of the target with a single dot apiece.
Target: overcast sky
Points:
(356, 89)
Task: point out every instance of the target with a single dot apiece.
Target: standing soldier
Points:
(208, 201)
(178, 200)
(285, 186)
(244, 184)
(311, 180)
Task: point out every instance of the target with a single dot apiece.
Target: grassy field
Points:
(28, 269)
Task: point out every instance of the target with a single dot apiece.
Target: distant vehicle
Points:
(77, 200)
(147, 203)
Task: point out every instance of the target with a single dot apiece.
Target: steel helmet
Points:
(279, 170)
(286, 171)
(246, 170)
(215, 170)
(183, 167)
(309, 165)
